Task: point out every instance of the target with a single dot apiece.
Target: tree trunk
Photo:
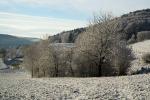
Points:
(44, 73)
(38, 72)
(100, 70)
(32, 72)
(70, 65)
(56, 70)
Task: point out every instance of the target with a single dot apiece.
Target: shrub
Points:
(16, 66)
(142, 71)
(146, 58)
(144, 35)
(132, 40)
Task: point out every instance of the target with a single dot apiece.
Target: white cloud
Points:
(85, 6)
(75, 5)
(24, 25)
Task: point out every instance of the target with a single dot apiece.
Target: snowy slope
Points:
(139, 49)
(2, 65)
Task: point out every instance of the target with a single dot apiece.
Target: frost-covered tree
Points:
(101, 46)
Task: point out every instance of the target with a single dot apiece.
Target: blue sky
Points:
(36, 18)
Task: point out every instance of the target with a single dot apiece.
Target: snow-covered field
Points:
(18, 85)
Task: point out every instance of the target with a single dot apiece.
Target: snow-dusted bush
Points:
(146, 58)
(39, 60)
(144, 35)
(132, 40)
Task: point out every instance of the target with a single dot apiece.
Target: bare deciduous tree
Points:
(69, 58)
(100, 43)
(30, 58)
(39, 59)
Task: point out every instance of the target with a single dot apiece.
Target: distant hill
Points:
(129, 24)
(135, 22)
(8, 41)
(67, 36)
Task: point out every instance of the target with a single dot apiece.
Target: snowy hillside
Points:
(2, 65)
(139, 49)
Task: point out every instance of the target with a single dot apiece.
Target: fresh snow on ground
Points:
(15, 87)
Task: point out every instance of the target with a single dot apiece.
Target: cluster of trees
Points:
(100, 51)
(48, 60)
